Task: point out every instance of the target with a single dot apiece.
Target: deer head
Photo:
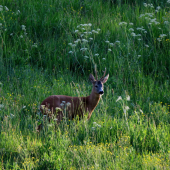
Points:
(98, 84)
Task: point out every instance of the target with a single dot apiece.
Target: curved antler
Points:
(96, 73)
(103, 74)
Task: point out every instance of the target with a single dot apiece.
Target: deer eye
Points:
(96, 86)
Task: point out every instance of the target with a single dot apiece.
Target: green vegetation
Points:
(50, 47)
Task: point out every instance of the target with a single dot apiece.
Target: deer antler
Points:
(96, 73)
(103, 74)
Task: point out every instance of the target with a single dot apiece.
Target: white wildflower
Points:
(76, 31)
(23, 27)
(158, 7)
(139, 56)
(12, 115)
(42, 107)
(34, 45)
(130, 23)
(109, 49)
(70, 44)
(145, 4)
(68, 104)
(84, 25)
(93, 31)
(90, 38)
(24, 107)
(93, 128)
(11, 34)
(131, 29)
(133, 34)
(156, 23)
(98, 29)
(64, 102)
(168, 1)
(166, 22)
(159, 39)
(1, 106)
(1, 8)
(73, 45)
(117, 42)
(153, 20)
(123, 23)
(128, 98)
(163, 35)
(140, 110)
(104, 58)
(6, 8)
(83, 49)
(107, 41)
(146, 45)
(84, 40)
(70, 52)
(86, 57)
(141, 15)
(119, 98)
(138, 28)
(149, 14)
(99, 125)
(111, 44)
(89, 24)
(139, 39)
(96, 54)
(127, 108)
(75, 42)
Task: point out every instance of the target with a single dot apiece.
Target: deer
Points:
(75, 106)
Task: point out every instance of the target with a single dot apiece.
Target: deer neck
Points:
(93, 100)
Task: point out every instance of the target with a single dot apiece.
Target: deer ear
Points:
(104, 79)
(92, 79)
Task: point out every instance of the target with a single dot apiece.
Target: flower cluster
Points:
(95, 126)
(85, 33)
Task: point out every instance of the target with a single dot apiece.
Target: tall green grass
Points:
(42, 52)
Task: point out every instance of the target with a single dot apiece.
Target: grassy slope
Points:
(36, 63)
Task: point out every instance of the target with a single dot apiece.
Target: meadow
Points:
(50, 47)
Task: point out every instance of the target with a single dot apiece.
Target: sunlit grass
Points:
(51, 47)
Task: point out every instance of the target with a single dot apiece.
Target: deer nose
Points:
(101, 92)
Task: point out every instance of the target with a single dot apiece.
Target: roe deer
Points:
(75, 106)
